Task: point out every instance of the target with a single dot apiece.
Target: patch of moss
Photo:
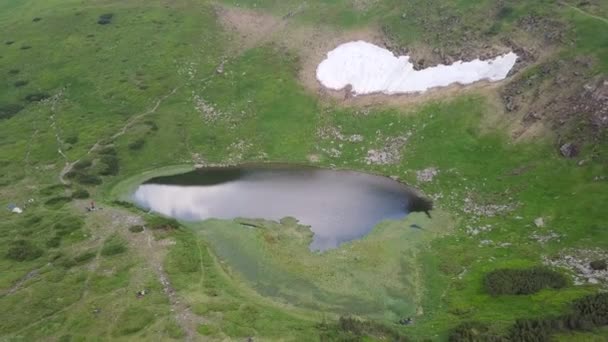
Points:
(23, 250)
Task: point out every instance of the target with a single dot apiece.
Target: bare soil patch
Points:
(251, 28)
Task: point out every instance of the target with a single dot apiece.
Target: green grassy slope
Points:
(159, 59)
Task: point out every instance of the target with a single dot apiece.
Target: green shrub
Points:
(84, 178)
(137, 144)
(53, 190)
(533, 330)
(133, 320)
(54, 242)
(7, 111)
(153, 126)
(522, 281)
(105, 19)
(82, 164)
(113, 245)
(588, 312)
(124, 204)
(80, 194)
(108, 150)
(109, 165)
(20, 83)
(68, 225)
(23, 250)
(57, 202)
(473, 332)
(159, 222)
(71, 139)
(84, 257)
(354, 329)
(36, 97)
(136, 229)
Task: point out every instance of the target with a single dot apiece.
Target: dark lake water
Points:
(339, 206)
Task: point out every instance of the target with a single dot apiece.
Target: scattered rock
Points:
(598, 265)
(544, 238)
(36, 97)
(474, 231)
(207, 110)
(390, 153)
(569, 150)
(539, 222)
(579, 263)
(486, 210)
(427, 174)
(330, 132)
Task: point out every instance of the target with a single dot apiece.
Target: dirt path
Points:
(153, 251)
(19, 283)
(125, 128)
(585, 13)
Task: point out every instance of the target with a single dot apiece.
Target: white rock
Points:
(539, 222)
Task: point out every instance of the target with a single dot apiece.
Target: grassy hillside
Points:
(97, 96)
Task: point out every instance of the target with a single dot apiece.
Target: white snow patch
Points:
(371, 69)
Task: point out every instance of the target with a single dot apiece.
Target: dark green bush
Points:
(84, 257)
(54, 242)
(124, 204)
(110, 150)
(105, 19)
(533, 330)
(7, 111)
(14, 71)
(67, 226)
(57, 202)
(71, 139)
(80, 194)
(109, 165)
(84, 178)
(523, 281)
(52, 190)
(354, 329)
(36, 97)
(504, 12)
(20, 83)
(137, 144)
(82, 164)
(153, 126)
(136, 229)
(113, 245)
(588, 312)
(473, 332)
(23, 250)
(159, 222)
